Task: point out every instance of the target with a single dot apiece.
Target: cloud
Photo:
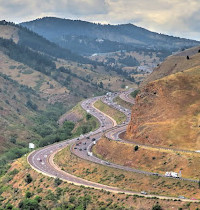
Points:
(177, 17)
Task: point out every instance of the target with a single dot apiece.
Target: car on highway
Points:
(155, 174)
(75, 147)
(93, 139)
(181, 197)
(80, 149)
(107, 163)
(143, 192)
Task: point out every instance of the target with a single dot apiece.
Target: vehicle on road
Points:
(155, 174)
(181, 197)
(172, 174)
(89, 153)
(143, 192)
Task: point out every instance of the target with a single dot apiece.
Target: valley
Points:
(112, 112)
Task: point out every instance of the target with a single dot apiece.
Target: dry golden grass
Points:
(118, 116)
(27, 76)
(122, 179)
(43, 185)
(149, 159)
(176, 63)
(111, 79)
(123, 103)
(9, 32)
(167, 112)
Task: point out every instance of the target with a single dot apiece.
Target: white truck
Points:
(173, 174)
(89, 153)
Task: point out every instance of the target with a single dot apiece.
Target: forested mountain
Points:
(28, 38)
(77, 35)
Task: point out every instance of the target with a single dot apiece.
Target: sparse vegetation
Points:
(135, 93)
(118, 116)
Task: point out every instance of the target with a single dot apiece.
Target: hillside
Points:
(46, 193)
(70, 33)
(175, 63)
(167, 109)
(127, 49)
(25, 37)
(38, 86)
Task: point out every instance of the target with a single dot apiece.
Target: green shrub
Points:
(28, 194)
(135, 93)
(28, 179)
(57, 181)
(157, 207)
(136, 148)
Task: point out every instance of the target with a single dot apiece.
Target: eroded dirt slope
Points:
(167, 110)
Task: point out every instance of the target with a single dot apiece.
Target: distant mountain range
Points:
(87, 38)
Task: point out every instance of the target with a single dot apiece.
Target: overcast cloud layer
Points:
(174, 17)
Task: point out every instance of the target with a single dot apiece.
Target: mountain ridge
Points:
(56, 30)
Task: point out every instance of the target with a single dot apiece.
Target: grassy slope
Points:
(123, 103)
(79, 116)
(172, 116)
(174, 64)
(167, 110)
(111, 80)
(125, 180)
(45, 85)
(9, 32)
(118, 116)
(53, 196)
(15, 113)
(148, 159)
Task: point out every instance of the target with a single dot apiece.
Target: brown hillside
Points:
(175, 63)
(9, 32)
(167, 110)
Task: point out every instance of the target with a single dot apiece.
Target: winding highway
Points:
(41, 160)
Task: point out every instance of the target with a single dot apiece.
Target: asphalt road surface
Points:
(42, 159)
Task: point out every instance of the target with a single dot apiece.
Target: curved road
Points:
(42, 159)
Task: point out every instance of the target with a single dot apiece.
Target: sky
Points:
(174, 17)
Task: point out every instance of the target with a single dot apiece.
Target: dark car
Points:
(80, 149)
(93, 139)
(77, 139)
(155, 174)
(88, 137)
(75, 147)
